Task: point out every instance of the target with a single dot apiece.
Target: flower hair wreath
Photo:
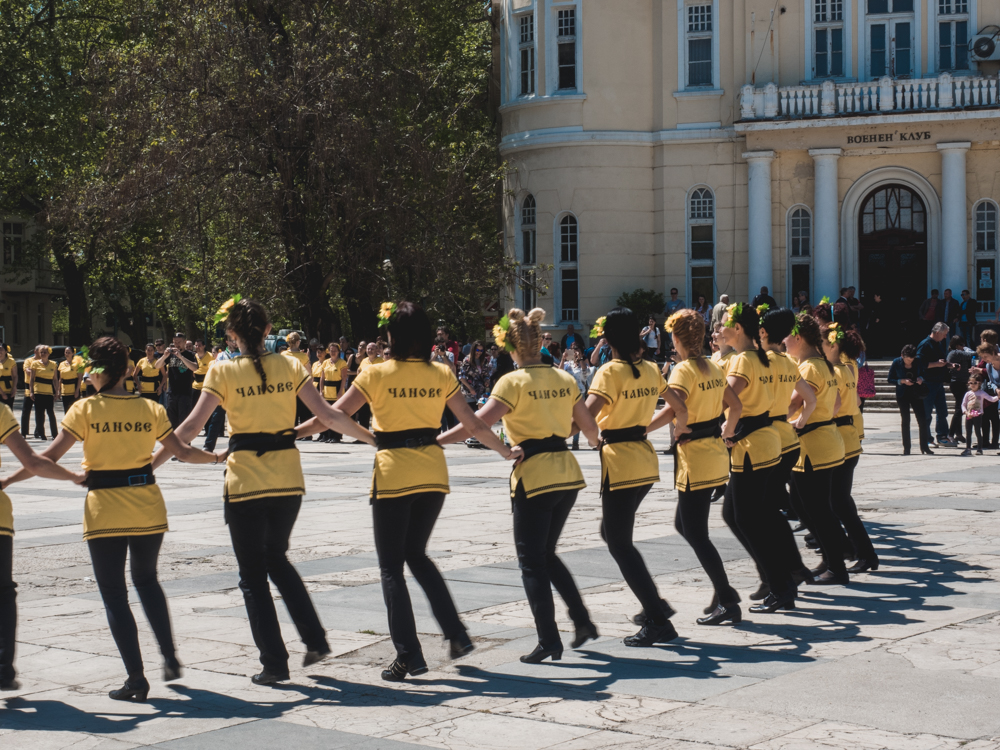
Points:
(223, 312)
(597, 331)
(385, 313)
(500, 331)
(762, 308)
(734, 311)
(835, 334)
(672, 321)
(86, 364)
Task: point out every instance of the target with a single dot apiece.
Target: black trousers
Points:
(761, 524)
(846, 510)
(976, 423)
(8, 608)
(9, 400)
(108, 557)
(691, 522)
(330, 434)
(215, 428)
(260, 530)
(403, 525)
(812, 493)
(538, 523)
(27, 407)
(729, 516)
(178, 408)
(620, 507)
(302, 413)
(363, 416)
(67, 402)
(777, 492)
(151, 396)
(958, 391)
(917, 405)
(45, 404)
(991, 424)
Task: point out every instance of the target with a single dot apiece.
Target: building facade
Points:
(28, 296)
(718, 146)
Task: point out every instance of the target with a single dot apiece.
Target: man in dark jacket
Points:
(932, 354)
(966, 319)
(948, 310)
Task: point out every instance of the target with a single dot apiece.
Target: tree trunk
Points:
(80, 333)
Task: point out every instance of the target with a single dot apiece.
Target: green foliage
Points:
(60, 320)
(643, 302)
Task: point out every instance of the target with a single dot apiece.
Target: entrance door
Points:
(892, 255)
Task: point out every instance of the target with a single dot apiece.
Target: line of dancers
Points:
(778, 405)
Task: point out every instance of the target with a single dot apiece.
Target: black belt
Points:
(315, 381)
(44, 381)
(5, 379)
(636, 434)
(551, 444)
(199, 378)
(844, 421)
(749, 425)
(810, 427)
(417, 438)
(780, 418)
(711, 428)
(148, 379)
(110, 479)
(262, 442)
(70, 380)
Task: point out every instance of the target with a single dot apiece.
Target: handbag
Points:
(866, 382)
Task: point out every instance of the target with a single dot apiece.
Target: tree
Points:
(643, 302)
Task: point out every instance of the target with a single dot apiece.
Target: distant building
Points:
(724, 146)
(27, 297)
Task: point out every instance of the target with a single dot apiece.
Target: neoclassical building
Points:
(724, 145)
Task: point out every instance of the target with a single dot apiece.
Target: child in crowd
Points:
(972, 408)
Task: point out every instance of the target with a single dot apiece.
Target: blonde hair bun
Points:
(525, 331)
(536, 316)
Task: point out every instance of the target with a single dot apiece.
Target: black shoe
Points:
(668, 612)
(171, 670)
(10, 684)
(812, 542)
(802, 575)
(906, 451)
(540, 654)
(460, 646)
(927, 451)
(136, 691)
(651, 634)
(774, 603)
(819, 569)
(800, 527)
(268, 678)
(584, 633)
(314, 657)
(761, 593)
(398, 670)
(829, 578)
(711, 607)
(864, 564)
(723, 614)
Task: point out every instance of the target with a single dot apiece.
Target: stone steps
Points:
(884, 401)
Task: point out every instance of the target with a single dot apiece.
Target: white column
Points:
(954, 273)
(826, 224)
(759, 225)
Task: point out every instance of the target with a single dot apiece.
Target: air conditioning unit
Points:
(986, 47)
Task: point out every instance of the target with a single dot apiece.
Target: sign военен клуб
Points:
(893, 137)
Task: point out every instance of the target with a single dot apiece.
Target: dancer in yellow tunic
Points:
(539, 405)
(332, 385)
(70, 378)
(43, 384)
(843, 348)
(42, 467)
(148, 376)
(130, 376)
(28, 404)
(204, 359)
(8, 376)
(623, 398)
(124, 514)
(695, 398)
(264, 482)
(822, 448)
(410, 478)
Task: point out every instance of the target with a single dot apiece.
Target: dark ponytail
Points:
(778, 323)
(248, 321)
(747, 317)
(621, 329)
(111, 355)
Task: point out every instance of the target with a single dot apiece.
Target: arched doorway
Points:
(892, 248)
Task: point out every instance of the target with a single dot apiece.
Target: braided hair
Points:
(809, 331)
(621, 329)
(112, 355)
(747, 317)
(248, 320)
(688, 328)
(525, 331)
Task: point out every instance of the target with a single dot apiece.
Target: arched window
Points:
(701, 244)
(799, 252)
(569, 272)
(985, 220)
(529, 286)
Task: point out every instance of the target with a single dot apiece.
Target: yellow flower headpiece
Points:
(598, 330)
(385, 313)
(834, 334)
(734, 311)
(762, 308)
(223, 312)
(825, 300)
(500, 334)
(672, 321)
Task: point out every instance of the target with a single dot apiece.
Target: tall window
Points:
(828, 30)
(569, 272)
(566, 48)
(701, 237)
(986, 221)
(986, 227)
(529, 258)
(698, 43)
(890, 38)
(953, 34)
(526, 53)
(13, 239)
(15, 309)
(800, 252)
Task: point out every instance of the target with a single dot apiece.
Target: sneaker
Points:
(966, 452)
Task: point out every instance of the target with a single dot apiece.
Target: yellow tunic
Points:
(366, 362)
(7, 368)
(44, 371)
(8, 426)
(250, 408)
(148, 369)
(317, 373)
(701, 464)
(847, 386)
(541, 400)
(823, 447)
(763, 445)
(120, 432)
(629, 402)
(786, 376)
(204, 362)
(129, 380)
(722, 360)
(69, 376)
(408, 394)
(301, 357)
(332, 375)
